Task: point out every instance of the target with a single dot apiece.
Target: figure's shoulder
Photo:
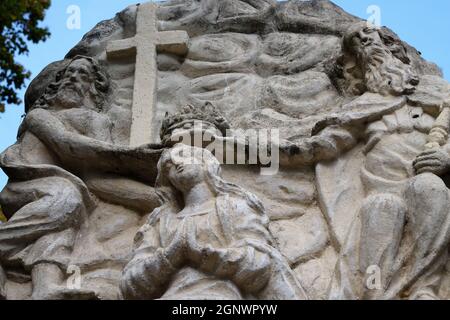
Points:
(38, 112)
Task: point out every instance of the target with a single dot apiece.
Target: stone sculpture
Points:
(100, 207)
(49, 204)
(375, 62)
(220, 231)
(183, 124)
(398, 177)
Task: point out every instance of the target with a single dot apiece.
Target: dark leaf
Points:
(19, 23)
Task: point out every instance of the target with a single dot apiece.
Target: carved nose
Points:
(365, 40)
(414, 81)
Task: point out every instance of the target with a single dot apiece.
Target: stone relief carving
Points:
(46, 201)
(207, 117)
(357, 210)
(209, 225)
(375, 62)
(388, 227)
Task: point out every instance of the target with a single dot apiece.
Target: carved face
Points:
(186, 168)
(76, 83)
(377, 68)
(366, 38)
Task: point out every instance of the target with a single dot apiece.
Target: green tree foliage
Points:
(19, 23)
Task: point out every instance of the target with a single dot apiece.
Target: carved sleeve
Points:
(146, 277)
(248, 268)
(327, 145)
(240, 260)
(148, 272)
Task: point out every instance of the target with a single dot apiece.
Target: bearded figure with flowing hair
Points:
(208, 241)
(44, 201)
(374, 62)
(65, 136)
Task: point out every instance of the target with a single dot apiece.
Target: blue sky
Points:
(423, 24)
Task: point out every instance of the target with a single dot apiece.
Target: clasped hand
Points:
(436, 161)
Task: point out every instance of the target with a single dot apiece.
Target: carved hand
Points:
(435, 161)
(145, 278)
(175, 252)
(247, 267)
(77, 149)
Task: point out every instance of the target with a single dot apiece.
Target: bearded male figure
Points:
(374, 62)
(63, 137)
(402, 226)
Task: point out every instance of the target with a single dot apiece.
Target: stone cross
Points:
(143, 46)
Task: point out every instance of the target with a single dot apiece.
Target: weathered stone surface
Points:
(320, 16)
(221, 53)
(299, 239)
(223, 239)
(315, 273)
(363, 123)
(291, 53)
(289, 194)
(210, 16)
(432, 91)
(339, 194)
(306, 94)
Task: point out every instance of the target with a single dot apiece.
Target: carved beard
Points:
(70, 96)
(384, 73)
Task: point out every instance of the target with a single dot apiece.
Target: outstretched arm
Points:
(327, 145)
(80, 150)
(436, 157)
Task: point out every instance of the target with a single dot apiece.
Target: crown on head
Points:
(207, 114)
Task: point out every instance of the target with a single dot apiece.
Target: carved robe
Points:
(47, 203)
(392, 230)
(232, 229)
